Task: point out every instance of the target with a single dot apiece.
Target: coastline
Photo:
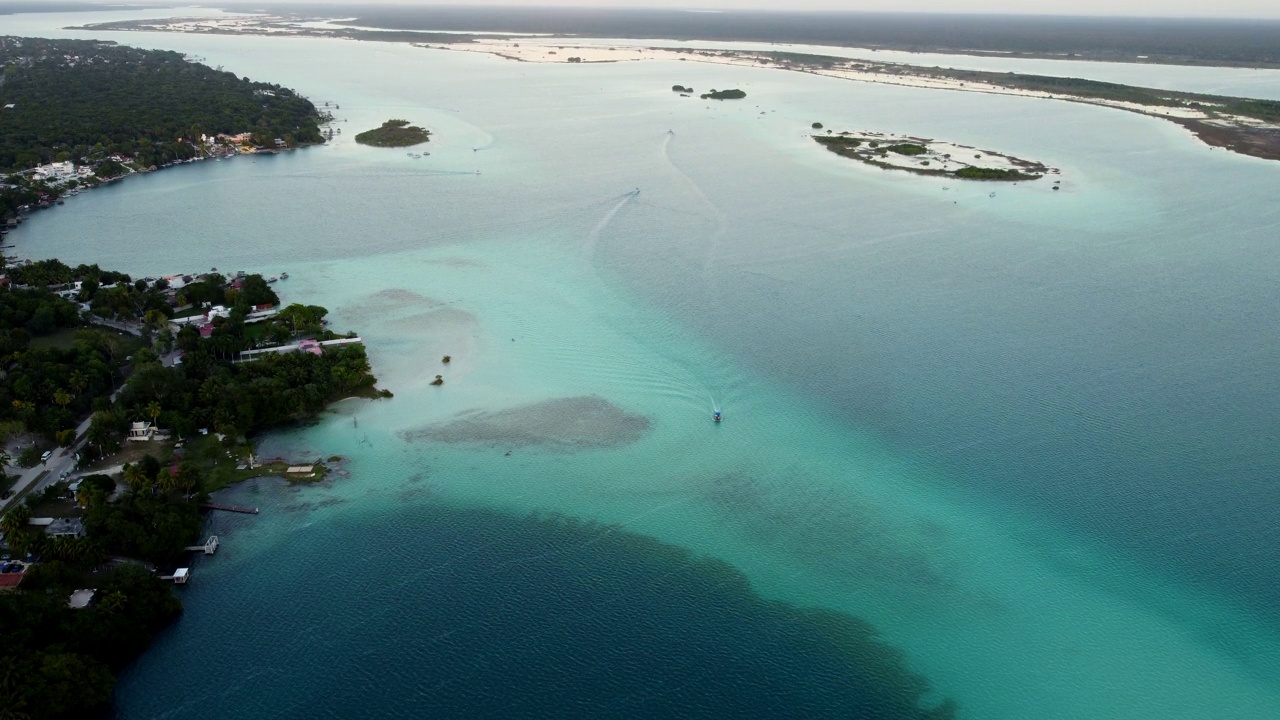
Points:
(1239, 134)
(1194, 112)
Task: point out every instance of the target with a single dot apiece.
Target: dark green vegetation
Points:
(723, 95)
(907, 149)
(57, 663)
(975, 173)
(816, 126)
(394, 133)
(241, 398)
(82, 98)
(85, 101)
(45, 389)
(836, 143)
(1265, 110)
(872, 154)
(681, 89)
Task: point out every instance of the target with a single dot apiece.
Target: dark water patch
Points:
(447, 613)
(565, 424)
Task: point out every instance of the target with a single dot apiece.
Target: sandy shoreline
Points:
(1244, 135)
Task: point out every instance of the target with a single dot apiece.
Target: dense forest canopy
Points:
(86, 99)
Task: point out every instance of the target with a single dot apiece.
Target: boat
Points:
(271, 280)
(284, 276)
(716, 416)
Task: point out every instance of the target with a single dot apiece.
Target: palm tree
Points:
(14, 522)
(62, 398)
(78, 381)
(167, 480)
(134, 477)
(153, 409)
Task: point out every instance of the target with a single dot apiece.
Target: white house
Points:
(142, 431)
(55, 171)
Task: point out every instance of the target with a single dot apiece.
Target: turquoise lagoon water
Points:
(1029, 438)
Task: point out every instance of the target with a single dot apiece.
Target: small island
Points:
(394, 133)
(923, 156)
(682, 89)
(723, 95)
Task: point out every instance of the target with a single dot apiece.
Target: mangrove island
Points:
(723, 95)
(394, 133)
(929, 157)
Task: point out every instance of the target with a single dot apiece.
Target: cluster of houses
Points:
(60, 172)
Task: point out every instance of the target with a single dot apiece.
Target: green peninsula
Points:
(394, 133)
(78, 113)
(211, 361)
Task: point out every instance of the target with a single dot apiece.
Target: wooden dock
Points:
(208, 548)
(229, 508)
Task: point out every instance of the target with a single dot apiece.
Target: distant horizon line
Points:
(500, 5)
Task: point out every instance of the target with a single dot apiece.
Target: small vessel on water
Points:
(272, 279)
(284, 276)
(716, 416)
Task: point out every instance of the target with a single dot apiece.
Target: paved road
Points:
(126, 327)
(61, 459)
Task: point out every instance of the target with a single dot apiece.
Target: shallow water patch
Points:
(565, 424)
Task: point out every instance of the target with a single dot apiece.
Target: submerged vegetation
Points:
(394, 133)
(637, 603)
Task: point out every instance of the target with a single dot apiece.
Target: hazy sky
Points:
(1135, 8)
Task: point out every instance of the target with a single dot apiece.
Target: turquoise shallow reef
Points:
(1014, 451)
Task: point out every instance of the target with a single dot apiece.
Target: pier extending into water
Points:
(209, 547)
(250, 355)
